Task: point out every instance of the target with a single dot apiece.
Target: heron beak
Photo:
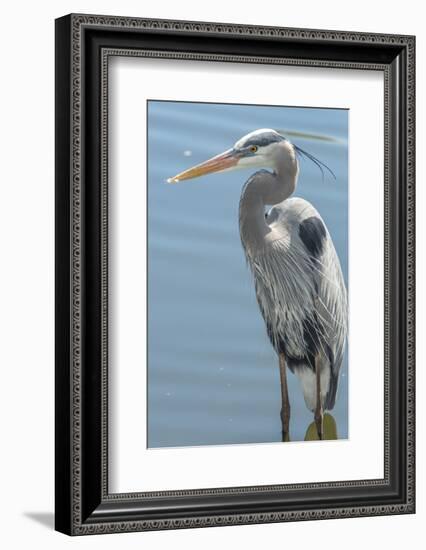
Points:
(221, 162)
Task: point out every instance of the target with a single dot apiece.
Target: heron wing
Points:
(301, 291)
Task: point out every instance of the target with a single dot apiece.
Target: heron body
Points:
(304, 314)
(297, 274)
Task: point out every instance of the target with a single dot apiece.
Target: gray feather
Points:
(300, 290)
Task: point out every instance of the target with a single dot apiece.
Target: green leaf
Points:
(330, 429)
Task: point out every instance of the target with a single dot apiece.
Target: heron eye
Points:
(253, 148)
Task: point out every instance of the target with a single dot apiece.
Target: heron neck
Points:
(262, 189)
(253, 227)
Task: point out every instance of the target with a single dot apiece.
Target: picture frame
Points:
(84, 44)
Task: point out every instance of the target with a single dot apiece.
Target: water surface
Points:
(213, 376)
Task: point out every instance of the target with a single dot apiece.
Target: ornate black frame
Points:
(83, 46)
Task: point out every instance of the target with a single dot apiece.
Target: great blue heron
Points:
(298, 278)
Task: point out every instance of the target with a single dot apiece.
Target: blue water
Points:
(213, 376)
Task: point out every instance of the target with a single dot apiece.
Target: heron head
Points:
(260, 148)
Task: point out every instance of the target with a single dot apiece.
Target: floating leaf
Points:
(330, 429)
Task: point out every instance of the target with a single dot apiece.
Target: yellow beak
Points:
(221, 162)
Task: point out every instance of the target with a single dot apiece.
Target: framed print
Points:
(234, 274)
